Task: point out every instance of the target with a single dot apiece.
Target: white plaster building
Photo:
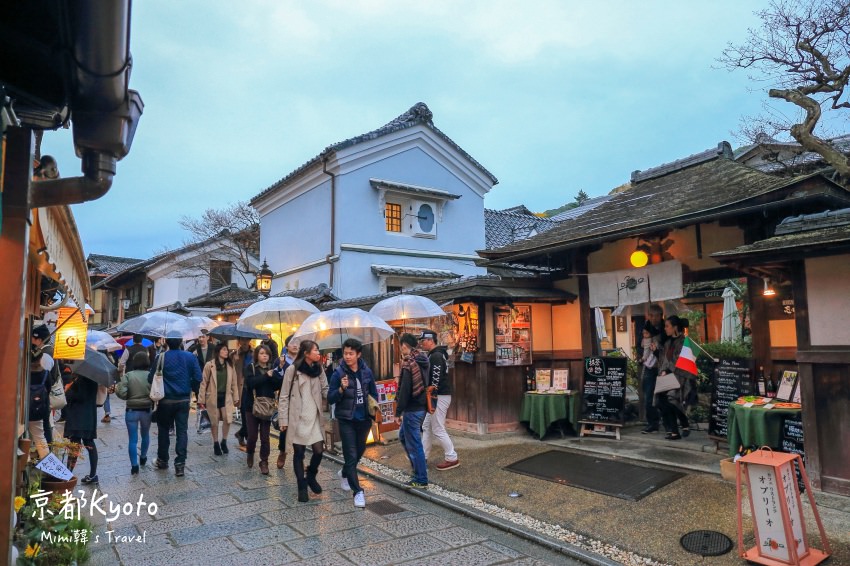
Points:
(388, 210)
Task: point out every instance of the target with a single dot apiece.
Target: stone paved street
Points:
(222, 513)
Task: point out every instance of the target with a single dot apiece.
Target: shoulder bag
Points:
(666, 382)
(158, 387)
(264, 407)
(57, 395)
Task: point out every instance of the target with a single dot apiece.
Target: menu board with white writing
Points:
(604, 390)
(731, 380)
(792, 436)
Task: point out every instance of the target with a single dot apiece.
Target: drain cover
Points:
(706, 543)
(384, 508)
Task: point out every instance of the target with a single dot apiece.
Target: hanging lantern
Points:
(778, 520)
(70, 338)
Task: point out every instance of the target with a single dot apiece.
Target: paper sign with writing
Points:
(53, 466)
(765, 498)
(560, 379)
(788, 476)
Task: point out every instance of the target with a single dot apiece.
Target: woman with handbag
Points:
(669, 387)
(263, 383)
(219, 395)
(135, 389)
(352, 389)
(300, 413)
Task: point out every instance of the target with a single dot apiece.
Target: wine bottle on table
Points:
(761, 384)
(528, 378)
(771, 387)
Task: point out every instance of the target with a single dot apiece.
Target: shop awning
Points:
(57, 252)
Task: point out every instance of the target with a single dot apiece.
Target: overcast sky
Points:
(551, 97)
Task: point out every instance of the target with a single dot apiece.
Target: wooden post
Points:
(14, 243)
(759, 324)
(482, 408)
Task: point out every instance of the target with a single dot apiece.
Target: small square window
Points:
(392, 214)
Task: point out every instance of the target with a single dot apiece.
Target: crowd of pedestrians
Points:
(287, 391)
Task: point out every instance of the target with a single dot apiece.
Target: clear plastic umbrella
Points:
(331, 328)
(155, 324)
(281, 315)
(98, 340)
(406, 307)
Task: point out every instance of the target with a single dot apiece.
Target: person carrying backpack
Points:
(39, 407)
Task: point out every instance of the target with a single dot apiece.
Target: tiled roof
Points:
(504, 228)
(108, 264)
(317, 295)
(723, 149)
(584, 208)
(475, 287)
(661, 201)
(519, 209)
(422, 273)
(219, 297)
(800, 234)
(800, 160)
(419, 113)
(413, 189)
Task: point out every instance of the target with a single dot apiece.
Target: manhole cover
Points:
(706, 543)
(384, 508)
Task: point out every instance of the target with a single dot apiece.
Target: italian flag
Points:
(687, 360)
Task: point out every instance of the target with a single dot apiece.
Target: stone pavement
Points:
(223, 513)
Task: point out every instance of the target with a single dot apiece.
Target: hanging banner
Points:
(70, 338)
(658, 282)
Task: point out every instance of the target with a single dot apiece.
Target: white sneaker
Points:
(359, 499)
(343, 483)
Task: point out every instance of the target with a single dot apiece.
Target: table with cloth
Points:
(756, 426)
(541, 410)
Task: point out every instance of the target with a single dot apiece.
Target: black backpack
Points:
(39, 400)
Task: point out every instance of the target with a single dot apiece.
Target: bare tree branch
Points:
(803, 48)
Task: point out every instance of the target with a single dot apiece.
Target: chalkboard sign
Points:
(732, 379)
(792, 436)
(604, 391)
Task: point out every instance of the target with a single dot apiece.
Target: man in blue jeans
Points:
(655, 327)
(410, 407)
(179, 370)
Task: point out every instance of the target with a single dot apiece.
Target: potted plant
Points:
(45, 533)
(63, 449)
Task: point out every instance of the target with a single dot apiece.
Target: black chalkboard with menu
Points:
(604, 391)
(732, 379)
(792, 436)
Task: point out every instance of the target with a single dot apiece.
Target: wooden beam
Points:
(14, 342)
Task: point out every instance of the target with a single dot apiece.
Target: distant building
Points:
(786, 158)
(397, 207)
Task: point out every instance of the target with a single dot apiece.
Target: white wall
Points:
(829, 300)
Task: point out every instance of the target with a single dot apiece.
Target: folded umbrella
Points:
(96, 367)
(331, 328)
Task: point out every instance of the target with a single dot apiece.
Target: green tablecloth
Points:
(540, 410)
(756, 426)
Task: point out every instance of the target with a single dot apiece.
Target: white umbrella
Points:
(600, 324)
(406, 307)
(731, 328)
(331, 328)
(278, 314)
(155, 324)
(98, 340)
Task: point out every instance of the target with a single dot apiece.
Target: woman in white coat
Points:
(300, 413)
(219, 395)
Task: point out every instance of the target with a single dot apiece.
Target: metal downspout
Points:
(330, 255)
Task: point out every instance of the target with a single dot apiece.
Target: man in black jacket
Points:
(435, 424)
(410, 408)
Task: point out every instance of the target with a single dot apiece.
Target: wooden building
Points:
(488, 382)
(688, 211)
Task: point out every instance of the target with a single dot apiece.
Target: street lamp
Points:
(264, 279)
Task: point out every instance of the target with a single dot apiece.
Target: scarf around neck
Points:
(314, 370)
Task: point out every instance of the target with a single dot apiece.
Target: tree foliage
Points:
(803, 49)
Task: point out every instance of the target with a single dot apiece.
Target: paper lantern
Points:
(70, 337)
(778, 521)
(639, 258)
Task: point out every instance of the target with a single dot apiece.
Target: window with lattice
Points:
(220, 274)
(392, 214)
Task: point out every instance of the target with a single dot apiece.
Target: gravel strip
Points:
(525, 521)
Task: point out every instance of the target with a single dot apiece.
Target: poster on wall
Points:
(513, 335)
(386, 401)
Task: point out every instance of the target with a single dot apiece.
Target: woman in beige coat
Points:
(219, 395)
(300, 413)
